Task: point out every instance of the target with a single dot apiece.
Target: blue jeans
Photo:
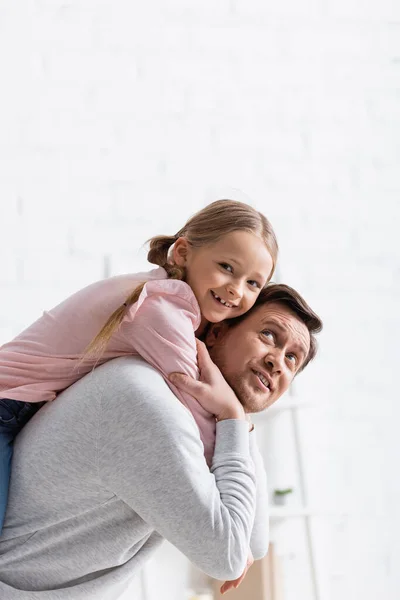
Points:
(13, 416)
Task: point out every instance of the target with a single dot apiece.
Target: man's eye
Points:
(292, 358)
(268, 334)
(226, 267)
(254, 283)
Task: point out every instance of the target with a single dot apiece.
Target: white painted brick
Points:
(100, 239)
(62, 204)
(387, 10)
(24, 304)
(22, 236)
(10, 268)
(40, 267)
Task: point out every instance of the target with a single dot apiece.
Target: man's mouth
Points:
(222, 301)
(265, 381)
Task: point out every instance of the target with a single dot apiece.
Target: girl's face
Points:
(226, 276)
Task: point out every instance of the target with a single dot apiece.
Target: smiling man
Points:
(115, 465)
(260, 353)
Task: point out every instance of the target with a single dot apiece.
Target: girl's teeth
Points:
(222, 301)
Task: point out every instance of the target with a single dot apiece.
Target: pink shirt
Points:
(45, 358)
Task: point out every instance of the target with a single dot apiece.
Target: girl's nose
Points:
(234, 290)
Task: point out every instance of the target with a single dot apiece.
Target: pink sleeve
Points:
(161, 329)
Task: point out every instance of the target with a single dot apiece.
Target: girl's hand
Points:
(228, 585)
(211, 390)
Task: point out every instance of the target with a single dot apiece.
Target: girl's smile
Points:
(226, 276)
(222, 301)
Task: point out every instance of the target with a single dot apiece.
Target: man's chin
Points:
(253, 401)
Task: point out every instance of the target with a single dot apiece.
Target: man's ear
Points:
(216, 333)
(180, 251)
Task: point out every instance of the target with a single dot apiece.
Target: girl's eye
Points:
(254, 283)
(226, 267)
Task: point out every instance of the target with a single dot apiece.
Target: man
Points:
(100, 478)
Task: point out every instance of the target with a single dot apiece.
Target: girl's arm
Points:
(161, 329)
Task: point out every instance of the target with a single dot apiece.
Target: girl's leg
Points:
(13, 416)
(7, 419)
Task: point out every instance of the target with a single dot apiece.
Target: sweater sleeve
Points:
(161, 329)
(150, 456)
(259, 541)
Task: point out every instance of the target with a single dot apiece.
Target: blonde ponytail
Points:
(159, 248)
(158, 255)
(97, 346)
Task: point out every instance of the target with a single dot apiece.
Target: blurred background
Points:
(119, 119)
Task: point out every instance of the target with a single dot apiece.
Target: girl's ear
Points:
(180, 251)
(215, 333)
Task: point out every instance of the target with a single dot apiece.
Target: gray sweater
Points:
(107, 471)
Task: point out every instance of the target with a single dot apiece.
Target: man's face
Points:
(260, 356)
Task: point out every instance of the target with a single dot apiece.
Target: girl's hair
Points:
(205, 227)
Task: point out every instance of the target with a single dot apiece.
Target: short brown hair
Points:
(287, 296)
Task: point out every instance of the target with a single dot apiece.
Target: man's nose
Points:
(274, 360)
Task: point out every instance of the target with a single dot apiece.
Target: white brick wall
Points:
(118, 119)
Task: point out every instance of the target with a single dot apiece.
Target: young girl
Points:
(220, 260)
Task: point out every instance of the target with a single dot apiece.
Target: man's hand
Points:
(212, 391)
(228, 585)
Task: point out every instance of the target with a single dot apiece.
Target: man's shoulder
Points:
(132, 371)
(135, 386)
(130, 368)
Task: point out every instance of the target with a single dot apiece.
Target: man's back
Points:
(104, 473)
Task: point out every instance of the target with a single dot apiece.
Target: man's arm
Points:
(205, 390)
(259, 541)
(260, 532)
(213, 384)
(151, 457)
